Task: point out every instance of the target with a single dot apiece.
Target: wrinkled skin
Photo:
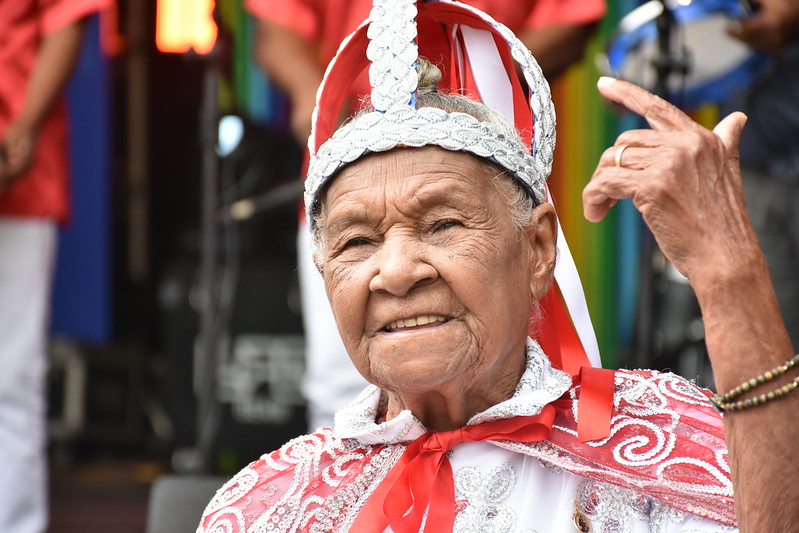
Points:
(686, 182)
(416, 232)
(424, 233)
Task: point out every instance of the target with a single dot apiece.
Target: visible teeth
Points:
(416, 321)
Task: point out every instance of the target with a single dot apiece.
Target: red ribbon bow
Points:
(422, 478)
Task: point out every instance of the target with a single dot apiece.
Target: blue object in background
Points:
(82, 296)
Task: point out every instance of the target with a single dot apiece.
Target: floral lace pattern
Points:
(482, 508)
(613, 509)
(665, 437)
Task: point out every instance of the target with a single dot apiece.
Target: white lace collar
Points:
(539, 385)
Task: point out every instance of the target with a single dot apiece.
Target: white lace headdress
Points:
(478, 51)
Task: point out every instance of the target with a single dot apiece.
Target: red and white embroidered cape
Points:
(664, 466)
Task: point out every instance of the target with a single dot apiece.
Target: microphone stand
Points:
(208, 409)
(196, 459)
(665, 65)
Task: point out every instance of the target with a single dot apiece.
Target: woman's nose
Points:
(401, 267)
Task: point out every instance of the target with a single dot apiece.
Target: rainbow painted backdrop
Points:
(607, 254)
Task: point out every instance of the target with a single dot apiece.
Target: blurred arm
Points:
(57, 56)
(774, 25)
(291, 62)
(557, 46)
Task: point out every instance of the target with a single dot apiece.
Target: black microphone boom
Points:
(246, 208)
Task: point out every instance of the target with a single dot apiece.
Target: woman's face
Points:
(430, 281)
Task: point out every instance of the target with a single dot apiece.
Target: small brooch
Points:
(581, 522)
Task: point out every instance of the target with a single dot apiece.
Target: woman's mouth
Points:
(413, 322)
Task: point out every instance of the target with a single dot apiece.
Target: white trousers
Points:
(27, 251)
(331, 380)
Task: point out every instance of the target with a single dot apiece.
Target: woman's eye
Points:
(354, 242)
(445, 224)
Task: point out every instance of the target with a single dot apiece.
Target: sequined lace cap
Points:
(393, 53)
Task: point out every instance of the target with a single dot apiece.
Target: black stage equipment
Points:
(236, 325)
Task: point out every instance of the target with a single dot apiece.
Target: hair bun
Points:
(429, 76)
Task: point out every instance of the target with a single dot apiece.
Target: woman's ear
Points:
(317, 261)
(542, 235)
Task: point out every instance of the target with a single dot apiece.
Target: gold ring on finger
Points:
(619, 151)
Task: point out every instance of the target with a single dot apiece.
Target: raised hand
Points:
(686, 182)
(683, 178)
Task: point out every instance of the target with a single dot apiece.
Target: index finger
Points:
(661, 115)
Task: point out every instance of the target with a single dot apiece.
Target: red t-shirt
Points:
(326, 23)
(43, 190)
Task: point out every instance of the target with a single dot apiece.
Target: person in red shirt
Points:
(39, 45)
(298, 38)
(296, 41)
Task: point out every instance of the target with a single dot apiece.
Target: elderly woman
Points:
(435, 241)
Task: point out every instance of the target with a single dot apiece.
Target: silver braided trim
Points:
(404, 126)
(393, 53)
(392, 73)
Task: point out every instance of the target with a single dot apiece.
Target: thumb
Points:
(729, 131)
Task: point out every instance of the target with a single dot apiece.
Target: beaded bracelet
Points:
(724, 402)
